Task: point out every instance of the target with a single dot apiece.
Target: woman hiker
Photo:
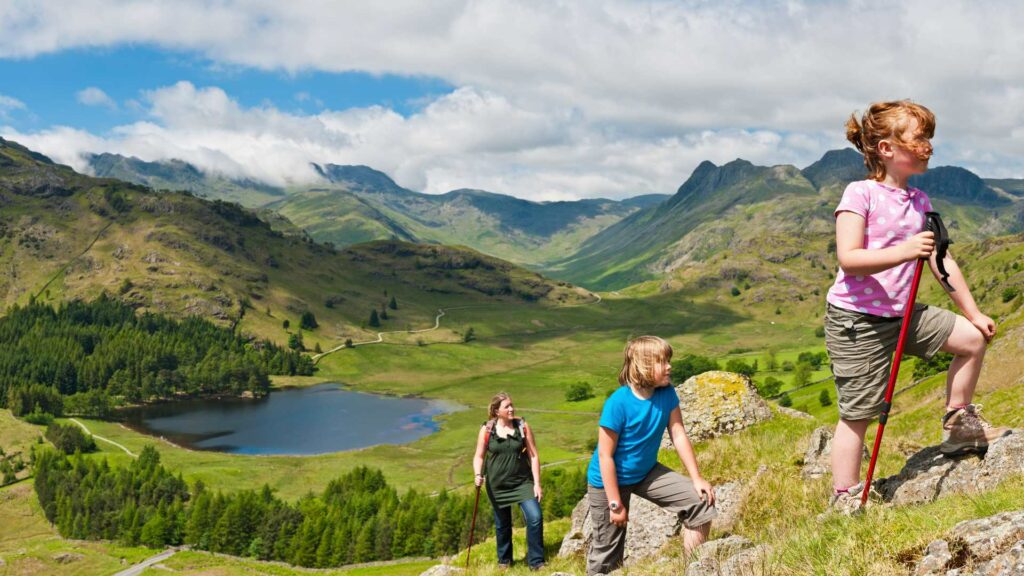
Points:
(506, 460)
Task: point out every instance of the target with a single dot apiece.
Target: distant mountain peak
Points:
(836, 167)
(357, 174)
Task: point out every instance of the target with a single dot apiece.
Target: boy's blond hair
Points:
(888, 120)
(639, 358)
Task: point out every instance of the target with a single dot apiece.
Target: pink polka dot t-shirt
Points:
(891, 216)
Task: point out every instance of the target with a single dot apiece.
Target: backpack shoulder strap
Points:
(521, 425)
(488, 429)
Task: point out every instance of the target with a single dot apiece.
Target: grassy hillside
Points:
(66, 235)
(358, 204)
(774, 215)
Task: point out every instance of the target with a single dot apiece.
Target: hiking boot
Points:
(848, 501)
(965, 431)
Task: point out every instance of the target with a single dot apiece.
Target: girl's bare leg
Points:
(968, 348)
(847, 452)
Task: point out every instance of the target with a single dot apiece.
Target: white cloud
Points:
(564, 98)
(9, 104)
(93, 96)
(467, 139)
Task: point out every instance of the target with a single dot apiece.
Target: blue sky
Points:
(49, 83)
(541, 100)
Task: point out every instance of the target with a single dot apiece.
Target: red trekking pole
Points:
(472, 526)
(934, 224)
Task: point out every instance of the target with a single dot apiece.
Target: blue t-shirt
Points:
(640, 425)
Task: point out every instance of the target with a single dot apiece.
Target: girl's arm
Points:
(677, 432)
(856, 260)
(531, 446)
(478, 457)
(607, 441)
(961, 296)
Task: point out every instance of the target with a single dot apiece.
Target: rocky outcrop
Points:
(992, 546)
(818, 456)
(732, 556)
(716, 403)
(729, 499)
(650, 527)
(929, 475)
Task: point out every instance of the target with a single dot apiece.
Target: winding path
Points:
(107, 440)
(138, 568)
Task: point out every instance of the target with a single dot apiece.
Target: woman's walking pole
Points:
(472, 526)
(934, 224)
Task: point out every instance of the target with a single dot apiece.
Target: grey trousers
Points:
(669, 490)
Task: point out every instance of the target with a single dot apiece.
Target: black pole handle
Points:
(933, 223)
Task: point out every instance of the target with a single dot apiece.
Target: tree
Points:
(770, 387)
(740, 367)
(348, 343)
(824, 398)
(393, 304)
(785, 400)
(383, 313)
(578, 392)
(735, 291)
(470, 335)
(691, 365)
(295, 341)
(801, 374)
(286, 324)
(374, 319)
(308, 321)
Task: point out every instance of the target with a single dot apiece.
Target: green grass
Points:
(30, 546)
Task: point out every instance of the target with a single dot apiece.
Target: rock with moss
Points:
(649, 529)
(992, 546)
(716, 403)
(818, 456)
(928, 475)
(731, 556)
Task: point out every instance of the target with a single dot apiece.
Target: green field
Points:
(535, 353)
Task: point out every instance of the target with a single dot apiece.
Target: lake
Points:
(294, 421)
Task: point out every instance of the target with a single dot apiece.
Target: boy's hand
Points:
(985, 325)
(706, 491)
(619, 517)
(919, 245)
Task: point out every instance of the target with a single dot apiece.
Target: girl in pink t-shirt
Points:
(879, 236)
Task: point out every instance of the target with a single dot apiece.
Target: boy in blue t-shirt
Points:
(626, 459)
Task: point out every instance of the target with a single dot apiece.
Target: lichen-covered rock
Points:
(992, 546)
(1009, 563)
(729, 499)
(716, 403)
(818, 456)
(732, 556)
(929, 475)
(650, 527)
(936, 559)
(648, 530)
(794, 413)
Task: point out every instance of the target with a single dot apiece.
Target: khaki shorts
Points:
(861, 347)
(668, 489)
